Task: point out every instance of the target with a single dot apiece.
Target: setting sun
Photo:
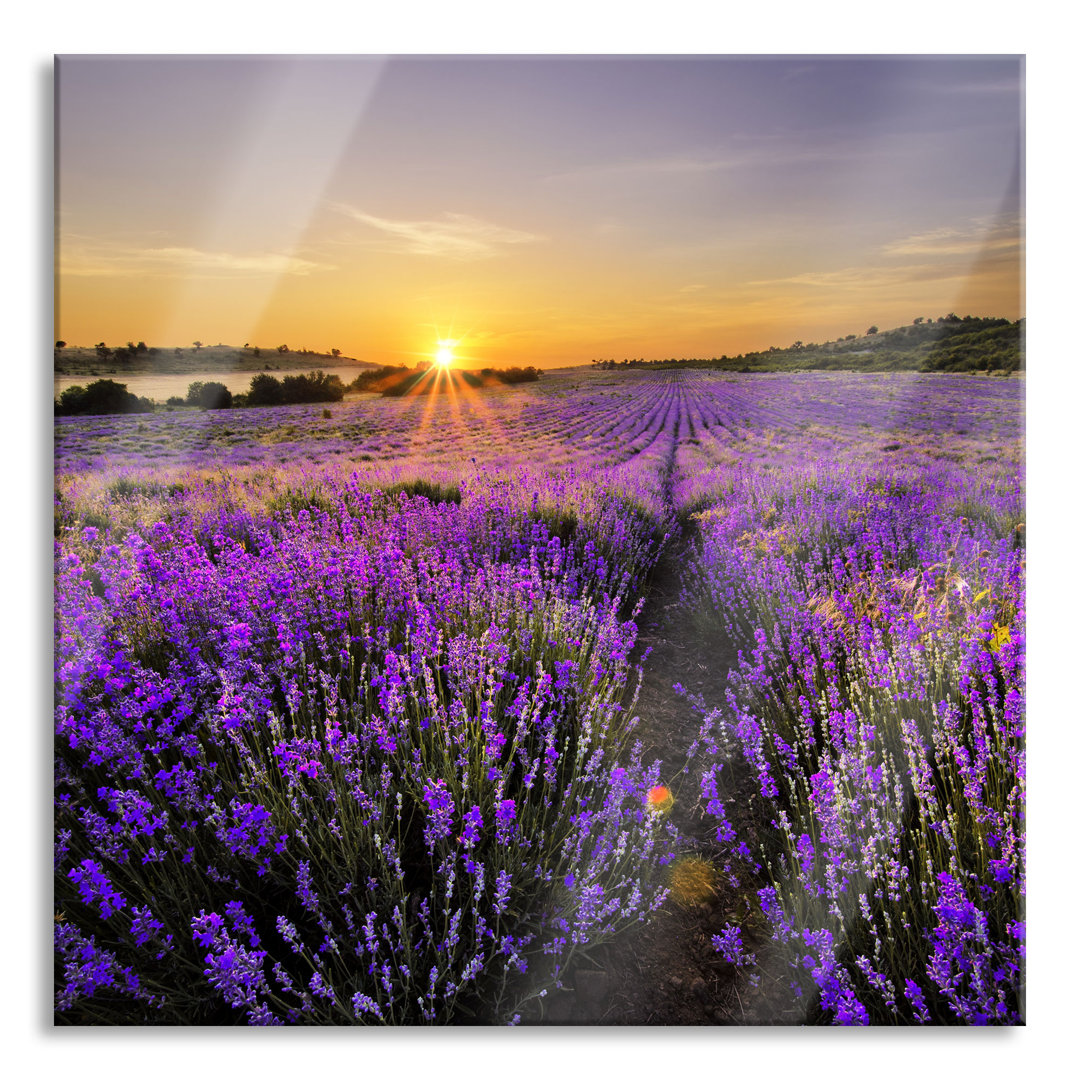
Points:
(445, 353)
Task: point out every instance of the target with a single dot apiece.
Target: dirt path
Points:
(667, 971)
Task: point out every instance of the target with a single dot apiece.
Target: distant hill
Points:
(997, 347)
(140, 359)
(950, 343)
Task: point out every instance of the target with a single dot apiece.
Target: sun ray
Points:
(452, 410)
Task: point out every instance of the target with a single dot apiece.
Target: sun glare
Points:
(445, 353)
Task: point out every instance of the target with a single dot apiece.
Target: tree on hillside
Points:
(61, 344)
(871, 330)
(197, 344)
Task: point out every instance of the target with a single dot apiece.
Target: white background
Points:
(37, 33)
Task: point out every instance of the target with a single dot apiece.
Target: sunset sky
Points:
(534, 210)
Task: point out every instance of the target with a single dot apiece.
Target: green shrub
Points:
(100, 398)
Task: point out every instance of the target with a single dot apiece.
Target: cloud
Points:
(977, 238)
(105, 261)
(742, 152)
(864, 277)
(976, 248)
(452, 236)
(671, 165)
(194, 260)
(942, 254)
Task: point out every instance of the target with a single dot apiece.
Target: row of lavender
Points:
(586, 421)
(879, 704)
(362, 760)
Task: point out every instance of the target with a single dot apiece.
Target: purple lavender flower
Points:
(505, 814)
(914, 994)
(96, 888)
(364, 1005)
(730, 946)
(232, 969)
(89, 968)
(474, 822)
(502, 892)
(440, 815)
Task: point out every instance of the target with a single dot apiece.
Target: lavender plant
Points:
(879, 701)
(364, 763)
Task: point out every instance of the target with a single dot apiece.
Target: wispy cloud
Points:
(670, 165)
(934, 255)
(864, 277)
(453, 236)
(977, 238)
(743, 152)
(270, 263)
(112, 261)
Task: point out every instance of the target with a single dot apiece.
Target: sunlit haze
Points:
(543, 211)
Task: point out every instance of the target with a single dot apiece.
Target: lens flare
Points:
(693, 879)
(660, 799)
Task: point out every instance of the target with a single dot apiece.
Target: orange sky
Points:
(540, 211)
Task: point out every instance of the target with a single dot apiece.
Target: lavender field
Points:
(347, 724)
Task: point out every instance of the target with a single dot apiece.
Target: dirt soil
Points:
(666, 971)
